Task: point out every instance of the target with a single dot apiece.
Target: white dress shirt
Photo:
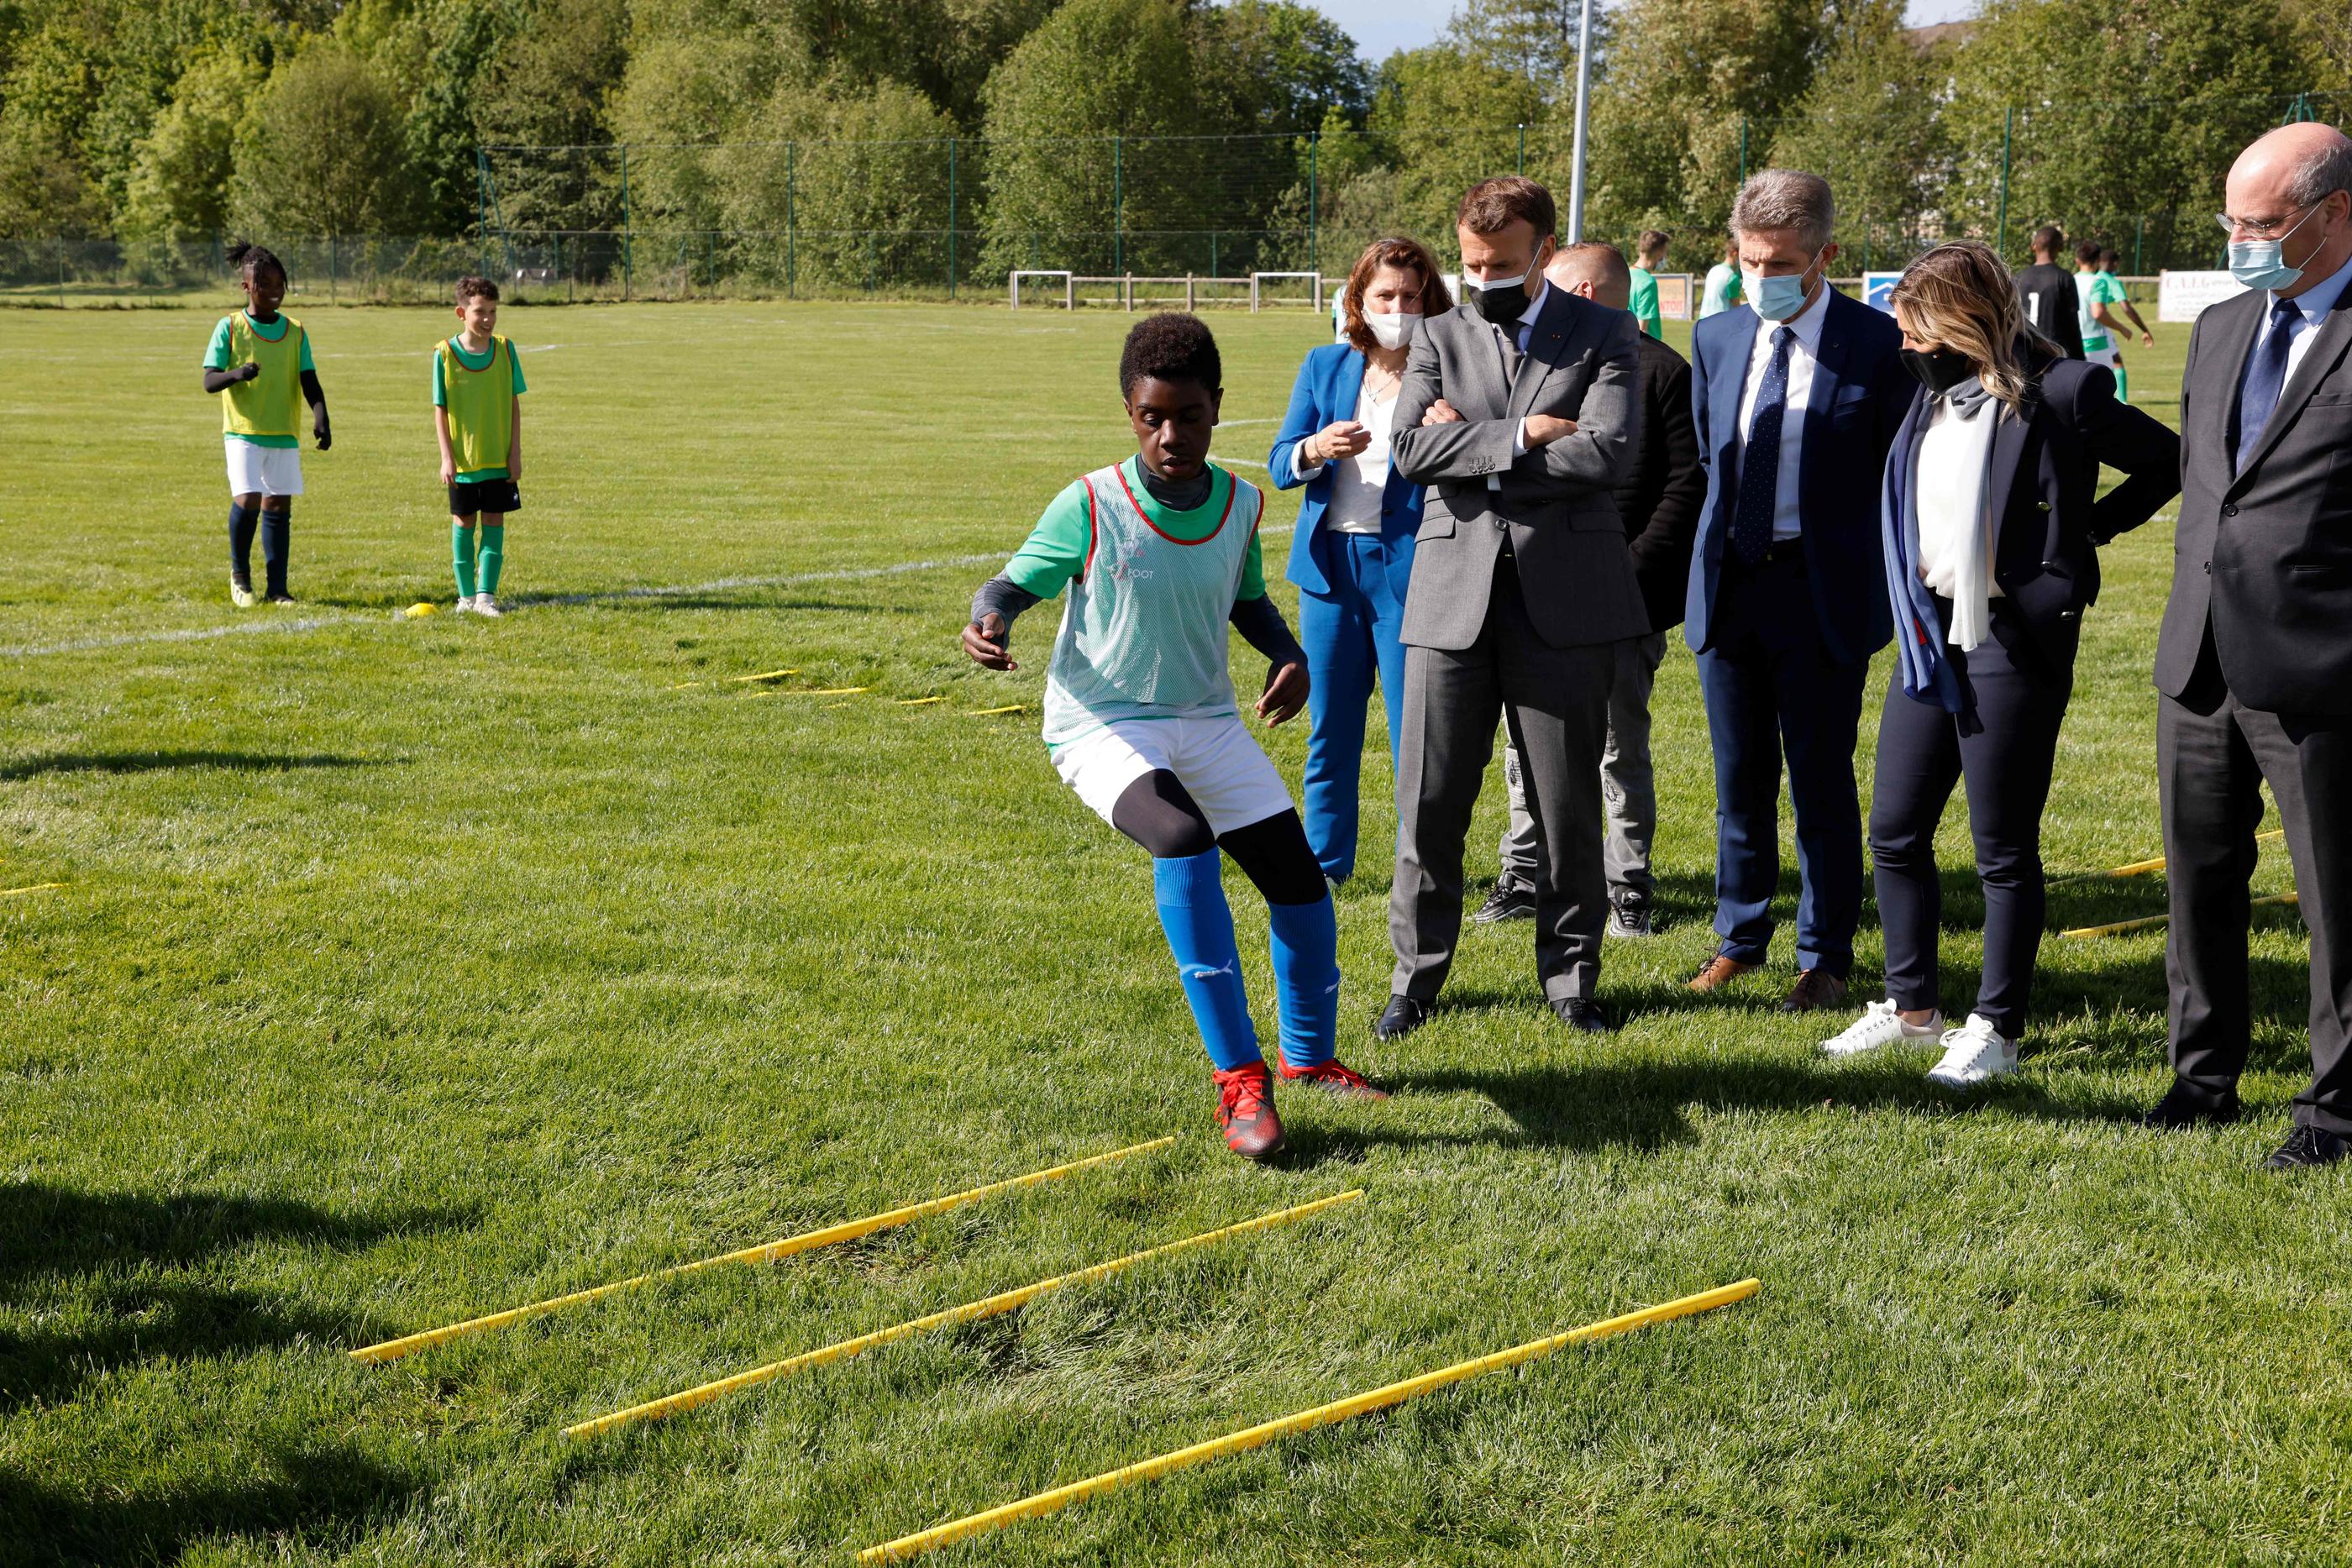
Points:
(1359, 484)
(1802, 357)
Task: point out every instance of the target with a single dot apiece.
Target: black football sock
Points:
(241, 521)
(275, 527)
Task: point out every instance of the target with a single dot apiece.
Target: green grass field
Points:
(406, 970)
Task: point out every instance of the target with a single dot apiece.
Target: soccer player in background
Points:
(1160, 554)
(258, 361)
(2103, 330)
(1650, 259)
(477, 415)
(1721, 290)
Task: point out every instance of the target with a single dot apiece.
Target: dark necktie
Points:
(1511, 355)
(2265, 379)
(1759, 470)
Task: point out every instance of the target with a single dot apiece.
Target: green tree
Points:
(179, 182)
(1094, 125)
(320, 153)
(1872, 125)
(548, 85)
(1277, 66)
(1444, 119)
(46, 186)
(2116, 111)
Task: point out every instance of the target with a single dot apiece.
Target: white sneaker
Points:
(484, 605)
(465, 604)
(1881, 1024)
(240, 594)
(1973, 1053)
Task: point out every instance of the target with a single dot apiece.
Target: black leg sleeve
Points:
(1274, 854)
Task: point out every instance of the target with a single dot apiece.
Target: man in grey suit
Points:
(2255, 662)
(1519, 413)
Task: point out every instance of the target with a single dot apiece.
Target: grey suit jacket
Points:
(2264, 557)
(1575, 571)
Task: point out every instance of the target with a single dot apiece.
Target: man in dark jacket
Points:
(2046, 290)
(1659, 501)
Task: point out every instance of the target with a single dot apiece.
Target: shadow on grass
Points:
(166, 761)
(106, 1250)
(325, 1496)
(1645, 1106)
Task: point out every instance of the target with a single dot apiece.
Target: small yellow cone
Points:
(418, 611)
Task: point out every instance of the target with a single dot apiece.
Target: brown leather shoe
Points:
(1814, 990)
(1719, 971)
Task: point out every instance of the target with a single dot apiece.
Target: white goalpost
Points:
(1314, 289)
(1070, 289)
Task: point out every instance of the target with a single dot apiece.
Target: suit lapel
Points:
(1829, 366)
(1731, 382)
(2317, 360)
(1348, 386)
(2009, 441)
(1547, 341)
(2237, 349)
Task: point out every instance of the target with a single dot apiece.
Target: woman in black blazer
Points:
(1991, 524)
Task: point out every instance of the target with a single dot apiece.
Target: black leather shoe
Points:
(1581, 1013)
(2309, 1147)
(2182, 1107)
(1400, 1017)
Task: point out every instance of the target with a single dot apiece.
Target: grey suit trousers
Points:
(2213, 755)
(1555, 701)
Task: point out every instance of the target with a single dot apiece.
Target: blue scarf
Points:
(1920, 635)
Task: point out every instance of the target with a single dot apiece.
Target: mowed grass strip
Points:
(407, 968)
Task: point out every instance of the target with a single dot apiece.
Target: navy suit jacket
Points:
(1860, 394)
(1327, 389)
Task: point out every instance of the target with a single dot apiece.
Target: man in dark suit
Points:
(1519, 413)
(2046, 290)
(1796, 398)
(1659, 502)
(2255, 662)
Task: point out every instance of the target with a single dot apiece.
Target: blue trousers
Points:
(1772, 687)
(1351, 637)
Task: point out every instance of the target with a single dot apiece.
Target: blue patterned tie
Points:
(1759, 471)
(2265, 379)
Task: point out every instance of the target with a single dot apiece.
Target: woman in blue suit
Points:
(1351, 553)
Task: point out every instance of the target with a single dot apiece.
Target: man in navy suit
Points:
(1796, 397)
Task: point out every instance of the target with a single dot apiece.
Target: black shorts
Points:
(467, 497)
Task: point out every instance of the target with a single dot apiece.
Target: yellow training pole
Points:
(2141, 868)
(2146, 922)
(36, 887)
(1047, 1502)
(762, 675)
(971, 1312)
(766, 1252)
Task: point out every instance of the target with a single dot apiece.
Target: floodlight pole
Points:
(1583, 99)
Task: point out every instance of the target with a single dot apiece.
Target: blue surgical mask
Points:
(1777, 298)
(2261, 262)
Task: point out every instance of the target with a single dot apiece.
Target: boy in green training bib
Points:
(259, 365)
(1160, 554)
(477, 415)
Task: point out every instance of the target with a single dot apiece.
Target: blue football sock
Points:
(1307, 980)
(241, 524)
(1200, 927)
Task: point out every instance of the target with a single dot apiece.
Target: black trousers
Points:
(2213, 755)
(2020, 699)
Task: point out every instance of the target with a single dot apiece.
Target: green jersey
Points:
(1645, 303)
(2098, 288)
(1144, 635)
(1722, 290)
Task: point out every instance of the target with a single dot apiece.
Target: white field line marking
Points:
(526, 602)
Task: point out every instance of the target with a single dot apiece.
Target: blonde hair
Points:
(1405, 255)
(1961, 295)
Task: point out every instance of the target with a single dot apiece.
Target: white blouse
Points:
(1359, 484)
(1959, 520)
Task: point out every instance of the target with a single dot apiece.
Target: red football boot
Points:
(1334, 1076)
(1246, 1111)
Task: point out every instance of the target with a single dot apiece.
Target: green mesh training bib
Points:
(1144, 633)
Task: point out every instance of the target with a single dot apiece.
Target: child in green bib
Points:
(477, 416)
(1159, 555)
(258, 365)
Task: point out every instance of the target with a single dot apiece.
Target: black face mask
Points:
(1938, 369)
(1502, 304)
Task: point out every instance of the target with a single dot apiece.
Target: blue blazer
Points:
(1860, 394)
(1328, 384)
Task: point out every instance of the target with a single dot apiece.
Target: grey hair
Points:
(1786, 199)
(2321, 175)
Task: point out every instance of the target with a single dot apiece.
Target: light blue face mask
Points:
(1777, 298)
(2261, 262)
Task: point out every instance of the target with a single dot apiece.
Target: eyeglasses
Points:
(2266, 229)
